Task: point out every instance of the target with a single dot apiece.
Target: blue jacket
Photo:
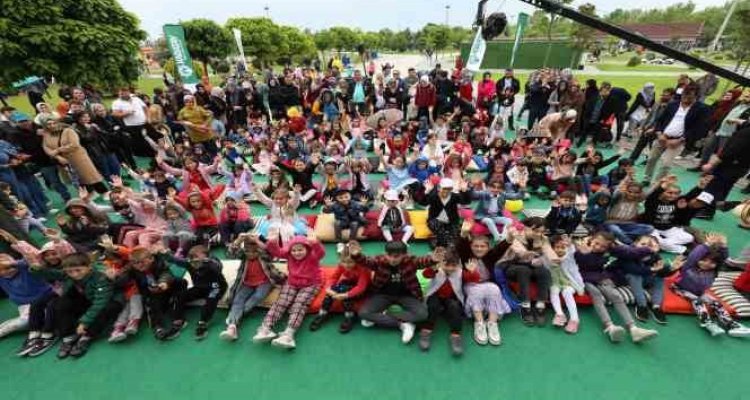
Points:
(697, 120)
(24, 288)
(485, 199)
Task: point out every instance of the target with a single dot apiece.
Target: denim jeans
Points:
(245, 300)
(491, 224)
(53, 181)
(656, 287)
(626, 232)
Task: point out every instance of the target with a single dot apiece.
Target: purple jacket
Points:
(692, 278)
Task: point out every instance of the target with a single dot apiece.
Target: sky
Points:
(367, 15)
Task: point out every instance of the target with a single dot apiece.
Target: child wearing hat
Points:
(392, 218)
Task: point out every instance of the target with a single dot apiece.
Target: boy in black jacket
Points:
(208, 284)
(564, 216)
(159, 288)
(348, 214)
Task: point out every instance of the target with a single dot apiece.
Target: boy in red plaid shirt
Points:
(394, 282)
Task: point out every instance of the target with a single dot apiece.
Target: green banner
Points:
(175, 37)
(523, 21)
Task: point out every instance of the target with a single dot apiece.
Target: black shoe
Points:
(318, 322)
(540, 316)
(27, 346)
(41, 346)
(346, 325)
(641, 313)
(658, 315)
(81, 347)
(160, 333)
(705, 214)
(175, 331)
(527, 316)
(201, 331)
(66, 347)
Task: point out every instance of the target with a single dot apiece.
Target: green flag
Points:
(523, 20)
(175, 37)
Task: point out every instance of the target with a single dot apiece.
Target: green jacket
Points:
(97, 289)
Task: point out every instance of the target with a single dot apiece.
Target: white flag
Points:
(478, 46)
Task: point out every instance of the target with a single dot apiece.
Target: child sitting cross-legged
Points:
(697, 274)
(349, 283)
(208, 284)
(489, 210)
(445, 297)
(255, 279)
(392, 218)
(302, 284)
(87, 306)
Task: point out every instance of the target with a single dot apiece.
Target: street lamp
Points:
(268, 11)
(447, 14)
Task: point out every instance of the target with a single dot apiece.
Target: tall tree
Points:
(552, 19)
(76, 41)
(299, 46)
(207, 40)
(583, 36)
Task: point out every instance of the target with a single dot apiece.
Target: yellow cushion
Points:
(418, 220)
(324, 229)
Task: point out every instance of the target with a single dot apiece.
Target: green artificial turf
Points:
(533, 363)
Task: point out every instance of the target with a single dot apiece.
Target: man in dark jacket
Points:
(727, 167)
(680, 121)
(649, 134)
(615, 102)
(538, 99)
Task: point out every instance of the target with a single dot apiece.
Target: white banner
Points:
(476, 55)
(238, 39)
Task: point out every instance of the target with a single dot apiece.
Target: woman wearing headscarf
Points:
(640, 108)
(217, 104)
(573, 99)
(44, 111)
(62, 143)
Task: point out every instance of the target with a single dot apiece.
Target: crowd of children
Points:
(147, 249)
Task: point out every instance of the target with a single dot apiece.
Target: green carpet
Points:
(533, 363)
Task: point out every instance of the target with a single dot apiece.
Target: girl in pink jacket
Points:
(302, 284)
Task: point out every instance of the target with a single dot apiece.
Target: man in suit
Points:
(506, 89)
(680, 120)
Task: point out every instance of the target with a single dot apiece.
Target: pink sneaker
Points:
(572, 327)
(132, 327)
(118, 335)
(559, 320)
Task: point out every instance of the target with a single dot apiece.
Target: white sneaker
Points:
(229, 334)
(407, 332)
(713, 328)
(493, 331)
(366, 324)
(480, 332)
(285, 340)
(738, 330)
(616, 333)
(264, 335)
(340, 248)
(638, 335)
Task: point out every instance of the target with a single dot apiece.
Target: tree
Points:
(583, 36)
(207, 40)
(78, 42)
(343, 38)
(261, 38)
(550, 25)
(299, 46)
(169, 68)
(433, 38)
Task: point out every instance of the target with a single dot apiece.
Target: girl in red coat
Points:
(348, 284)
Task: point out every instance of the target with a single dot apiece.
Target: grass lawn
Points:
(643, 68)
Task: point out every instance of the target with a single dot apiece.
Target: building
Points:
(680, 36)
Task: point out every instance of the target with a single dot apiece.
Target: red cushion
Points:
(310, 219)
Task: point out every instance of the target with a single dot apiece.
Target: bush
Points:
(650, 56)
(719, 57)
(634, 61)
(222, 67)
